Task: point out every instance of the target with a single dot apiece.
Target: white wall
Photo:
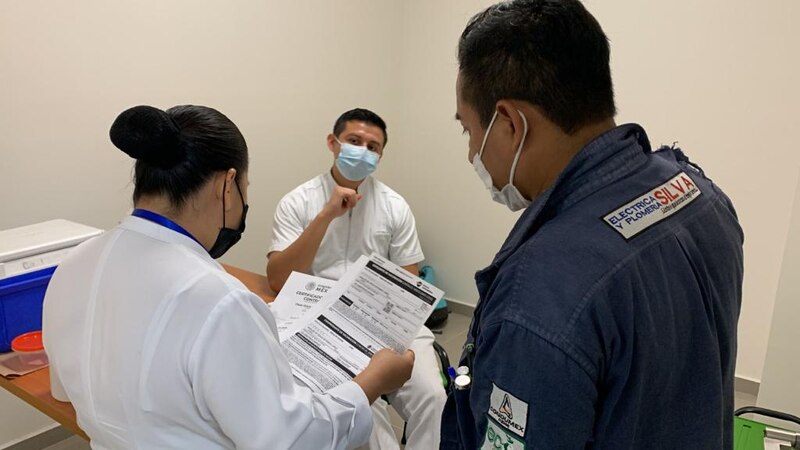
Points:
(460, 227)
(716, 76)
(778, 388)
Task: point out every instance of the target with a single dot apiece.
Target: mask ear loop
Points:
(519, 150)
(239, 188)
(486, 135)
(224, 187)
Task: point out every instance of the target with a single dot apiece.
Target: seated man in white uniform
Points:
(324, 225)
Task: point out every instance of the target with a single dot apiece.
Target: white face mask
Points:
(509, 195)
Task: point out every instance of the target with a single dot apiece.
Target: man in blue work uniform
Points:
(607, 320)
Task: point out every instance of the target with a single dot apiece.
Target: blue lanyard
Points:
(163, 221)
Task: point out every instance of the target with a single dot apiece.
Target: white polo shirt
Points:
(156, 346)
(381, 222)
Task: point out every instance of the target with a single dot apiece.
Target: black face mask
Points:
(228, 237)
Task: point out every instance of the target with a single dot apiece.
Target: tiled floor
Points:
(73, 443)
(451, 336)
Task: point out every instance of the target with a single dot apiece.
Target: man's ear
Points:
(514, 123)
(333, 146)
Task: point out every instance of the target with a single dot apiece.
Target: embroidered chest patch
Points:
(653, 206)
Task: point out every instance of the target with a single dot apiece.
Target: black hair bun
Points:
(148, 134)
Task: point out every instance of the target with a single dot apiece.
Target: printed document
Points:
(299, 294)
(377, 304)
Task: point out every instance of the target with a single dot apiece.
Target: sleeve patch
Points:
(499, 438)
(508, 411)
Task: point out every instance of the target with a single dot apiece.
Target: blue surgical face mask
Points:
(356, 163)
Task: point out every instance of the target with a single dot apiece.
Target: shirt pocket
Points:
(379, 241)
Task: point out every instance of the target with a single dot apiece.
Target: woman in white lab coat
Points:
(155, 345)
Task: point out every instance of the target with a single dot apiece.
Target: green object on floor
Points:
(748, 434)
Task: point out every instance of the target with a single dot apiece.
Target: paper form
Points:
(299, 294)
(376, 304)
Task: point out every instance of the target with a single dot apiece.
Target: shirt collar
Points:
(164, 234)
(607, 158)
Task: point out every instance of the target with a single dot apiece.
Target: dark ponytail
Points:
(178, 150)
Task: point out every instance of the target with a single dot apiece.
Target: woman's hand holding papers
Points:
(386, 372)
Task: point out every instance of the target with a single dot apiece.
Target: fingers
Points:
(342, 200)
(350, 199)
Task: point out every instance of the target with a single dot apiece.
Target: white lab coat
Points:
(156, 346)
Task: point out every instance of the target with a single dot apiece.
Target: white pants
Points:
(419, 402)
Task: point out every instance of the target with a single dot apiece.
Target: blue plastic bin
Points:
(21, 300)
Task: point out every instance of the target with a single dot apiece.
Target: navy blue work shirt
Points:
(608, 318)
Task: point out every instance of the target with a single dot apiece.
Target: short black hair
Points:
(360, 115)
(178, 150)
(551, 53)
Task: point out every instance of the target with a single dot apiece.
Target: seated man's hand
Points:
(342, 200)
